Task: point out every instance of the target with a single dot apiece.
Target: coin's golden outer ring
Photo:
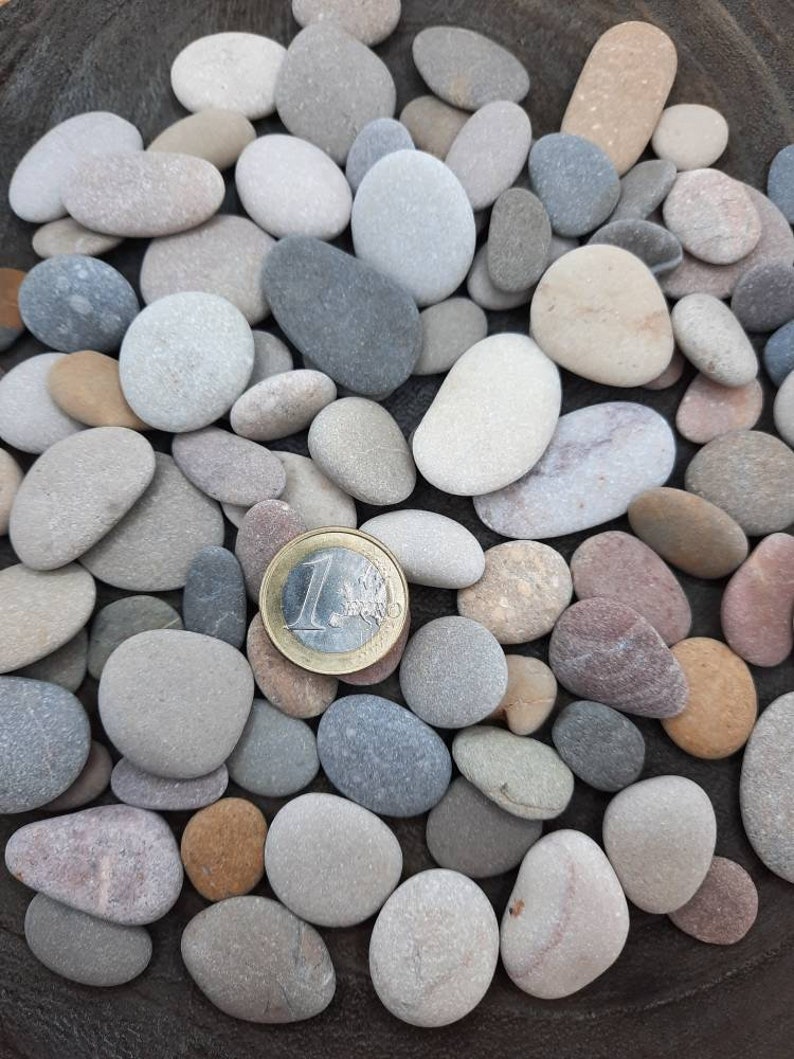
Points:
(297, 551)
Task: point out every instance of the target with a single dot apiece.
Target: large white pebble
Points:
(690, 135)
(711, 338)
(235, 71)
(432, 549)
(490, 151)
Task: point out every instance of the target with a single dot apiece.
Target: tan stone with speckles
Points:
(530, 696)
(86, 387)
(223, 848)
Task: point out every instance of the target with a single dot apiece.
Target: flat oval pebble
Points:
(236, 71)
(140, 877)
(711, 338)
(133, 786)
(492, 418)
(223, 848)
(519, 240)
(227, 467)
(467, 69)
(434, 948)
(380, 137)
(282, 405)
(690, 135)
(276, 755)
(92, 781)
(651, 243)
(575, 180)
(483, 291)
(784, 412)
(214, 600)
(75, 302)
(713, 216)
(602, 747)
(606, 652)
(566, 920)
(449, 329)
(65, 667)
(313, 496)
(256, 961)
(359, 327)
(66, 236)
(643, 189)
(521, 775)
(599, 459)
(217, 135)
(330, 861)
(750, 475)
(295, 691)
(709, 409)
(86, 387)
(758, 602)
(266, 528)
(530, 696)
(271, 357)
(370, 23)
(118, 621)
(779, 354)
(766, 792)
(175, 703)
(433, 124)
(40, 611)
(82, 948)
(382, 756)
(76, 492)
(763, 298)
(724, 908)
(659, 835)
(432, 549)
(11, 476)
(330, 86)
(490, 151)
(412, 221)
(780, 181)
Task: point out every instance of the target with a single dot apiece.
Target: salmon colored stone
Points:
(708, 409)
(293, 690)
(223, 849)
(530, 696)
(758, 603)
(724, 908)
(384, 667)
(11, 325)
(86, 386)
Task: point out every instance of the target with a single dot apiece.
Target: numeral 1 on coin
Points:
(318, 578)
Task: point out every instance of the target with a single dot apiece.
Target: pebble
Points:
(295, 691)
(382, 756)
(185, 360)
(449, 329)
(758, 601)
(373, 345)
(29, 418)
(11, 476)
(713, 216)
(313, 497)
(575, 180)
(281, 405)
(370, 23)
(651, 243)
(690, 135)
(483, 291)
(412, 221)
(264, 531)
(602, 747)
(377, 139)
(86, 387)
(256, 961)
(151, 549)
(433, 124)
(214, 601)
(65, 667)
(11, 326)
(712, 338)
(92, 781)
(434, 948)
(361, 448)
(599, 312)
(599, 459)
(330, 86)
(138, 876)
(708, 409)
(82, 948)
(453, 672)
(724, 908)
(722, 704)
(607, 652)
(66, 236)
(779, 354)
(490, 151)
(38, 182)
(290, 187)
(330, 861)
(276, 755)
(118, 621)
(519, 240)
(44, 742)
(530, 696)
(74, 302)
(643, 189)
(521, 775)
(222, 849)
(689, 532)
(133, 786)
(235, 71)
(671, 374)
(566, 920)
(750, 475)
(385, 666)
(432, 549)
(763, 298)
(228, 468)
(766, 792)
(780, 182)
(217, 135)
(491, 420)
(76, 492)
(468, 70)
(143, 194)
(659, 835)
(41, 611)
(271, 357)
(175, 703)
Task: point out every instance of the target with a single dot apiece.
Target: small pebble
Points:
(295, 691)
(65, 667)
(433, 124)
(282, 405)
(11, 476)
(271, 357)
(602, 747)
(214, 601)
(314, 497)
(449, 329)
(370, 23)
(483, 291)
(724, 908)
(713, 216)
(690, 135)
(432, 549)
(222, 849)
(651, 243)
(530, 696)
(92, 781)
(235, 71)
(118, 621)
(86, 387)
(519, 240)
(671, 374)
(643, 189)
(709, 410)
(377, 139)
(758, 602)
(266, 528)
(490, 151)
(779, 354)
(11, 326)
(66, 236)
(228, 468)
(780, 182)
(711, 338)
(766, 791)
(763, 298)
(575, 180)
(276, 755)
(466, 69)
(382, 669)
(218, 136)
(133, 786)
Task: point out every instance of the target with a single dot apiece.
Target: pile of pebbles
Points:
(597, 229)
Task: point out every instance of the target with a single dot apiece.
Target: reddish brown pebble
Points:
(671, 374)
(11, 326)
(264, 530)
(758, 602)
(383, 668)
(722, 704)
(223, 849)
(708, 409)
(86, 386)
(530, 696)
(723, 909)
(289, 688)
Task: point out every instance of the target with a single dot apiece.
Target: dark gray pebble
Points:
(122, 619)
(214, 600)
(377, 139)
(779, 354)
(519, 239)
(651, 243)
(599, 745)
(763, 299)
(575, 180)
(780, 182)
(276, 755)
(644, 188)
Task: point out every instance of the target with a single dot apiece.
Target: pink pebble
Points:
(758, 603)
(708, 409)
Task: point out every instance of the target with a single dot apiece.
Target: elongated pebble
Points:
(235, 71)
(490, 151)
(690, 135)
(228, 468)
(519, 240)
(780, 181)
(766, 793)
(133, 786)
(295, 691)
(711, 338)
(214, 601)
(643, 188)
(483, 291)
(724, 908)
(758, 603)
(67, 236)
(264, 530)
(713, 216)
(217, 135)
(530, 696)
(651, 243)
(86, 387)
(432, 549)
(281, 405)
(708, 409)
(118, 621)
(313, 496)
(467, 69)
(784, 412)
(433, 124)
(276, 755)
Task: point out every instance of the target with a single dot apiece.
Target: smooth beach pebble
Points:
(133, 786)
(708, 409)
(281, 405)
(381, 670)
(490, 151)
(291, 689)
(92, 781)
(659, 835)
(643, 189)
(606, 652)
(713, 216)
(566, 920)
(575, 180)
(118, 621)
(466, 69)
(763, 298)
(432, 549)
(779, 354)
(599, 459)
(86, 387)
(380, 137)
(483, 291)
(228, 468)
(696, 536)
(766, 792)
(222, 849)
(65, 667)
(265, 529)
(218, 136)
(599, 745)
(82, 948)
(449, 329)
(276, 755)
(256, 961)
(412, 221)
(711, 338)
(433, 124)
(434, 948)
(141, 874)
(671, 374)
(758, 603)
(780, 182)
(11, 476)
(651, 243)
(214, 601)
(690, 135)
(615, 565)
(313, 496)
(784, 411)
(724, 908)
(11, 326)
(66, 236)
(330, 861)
(722, 704)
(330, 86)
(382, 756)
(271, 357)
(236, 71)
(175, 703)
(519, 240)
(370, 22)
(530, 696)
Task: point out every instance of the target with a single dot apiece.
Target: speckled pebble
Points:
(530, 696)
(370, 22)
(214, 601)
(712, 338)
(295, 691)
(222, 848)
(724, 908)
(276, 755)
(602, 747)
(265, 529)
(449, 329)
(118, 621)
(433, 124)
(217, 135)
(779, 354)
(483, 291)
(281, 405)
(575, 180)
(236, 71)
(228, 468)
(380, 137)
(67, 236)
(92, 781)
(11, 476)
(763, 298)
(490, 151)
(780, 182)
(708, 410)
(133, 786)
(519, 240)
(671, 374)
(65, 667)
(713, 216)
(432, 549)
(86, 387)
(651, 243)
(758, 603)
(690, 135)
(271, 357)
(643, 189)
(313, 496)
(467, 69)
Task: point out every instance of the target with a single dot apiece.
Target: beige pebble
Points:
(216, 135)
(433, 124)
(530, 696)
(66, 236)
(711, 338)
(10, 477)
(713, 216)
(281, 405)
(690, 135)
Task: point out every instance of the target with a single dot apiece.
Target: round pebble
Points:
(86, 387)
(66, 236)
(602, 747)
(530, 696)
(118, 621)
(377, 139)
(780, 182)
(724, 908)
(651, 243)
(282, 405)
(217, 135)
(370, 23)
(214, 601)
(276, 755)
(271, 357)
(690, 135)
(713, 216)
(92, 781)
(228, 468)
(449, 329)
(466, 69)
(575, 180)
(763, 298)
(519, 240)
(708, 410)
(766, 792)
(758, 602)
(483, 291)
(432, 549)
(490, 151)
(295, 691)
(779, 354)
(223, 849)
(643, 189)
(236, 71)
(433, 124)
(11, 326)
(711, 338)
(65, 667)
(314, 497)
(11, 476)
(133, 786)
(264, 531)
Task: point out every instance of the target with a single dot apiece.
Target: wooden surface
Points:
(667, 996)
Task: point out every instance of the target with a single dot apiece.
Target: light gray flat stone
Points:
(276, 755)
(432, 549)
(236, 71)
(29, 418)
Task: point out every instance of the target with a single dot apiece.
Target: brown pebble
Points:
(86, 386)
(724, 908)
(265, 529)
(223, 848)
(433, 124)
(722, 704)
(293, 690)
(11, 326)
(708, 409)
(530, 696)
(216, 135)
(671, 374)
(383, 668)
(758, 603)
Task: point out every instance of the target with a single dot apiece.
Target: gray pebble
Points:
(314, 498)
(271, 357)
(484, 292)
(370, 23)
(92, 781)
(276, 755)
(575, 180)
(380, 137)
(120, 620)
(599, 745)
(65, 667)
(780, 182)
(766, 792)
(29, 418)
(449, 328)
(643, 189)
(490, 151)
(432, 549)
(433, 124)
(779, 354)
(133, 786)
(466, 69)
(763, 299)
(227, 467)
(519, 240)
(214, 600)
(651, 243)
(282, 405)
